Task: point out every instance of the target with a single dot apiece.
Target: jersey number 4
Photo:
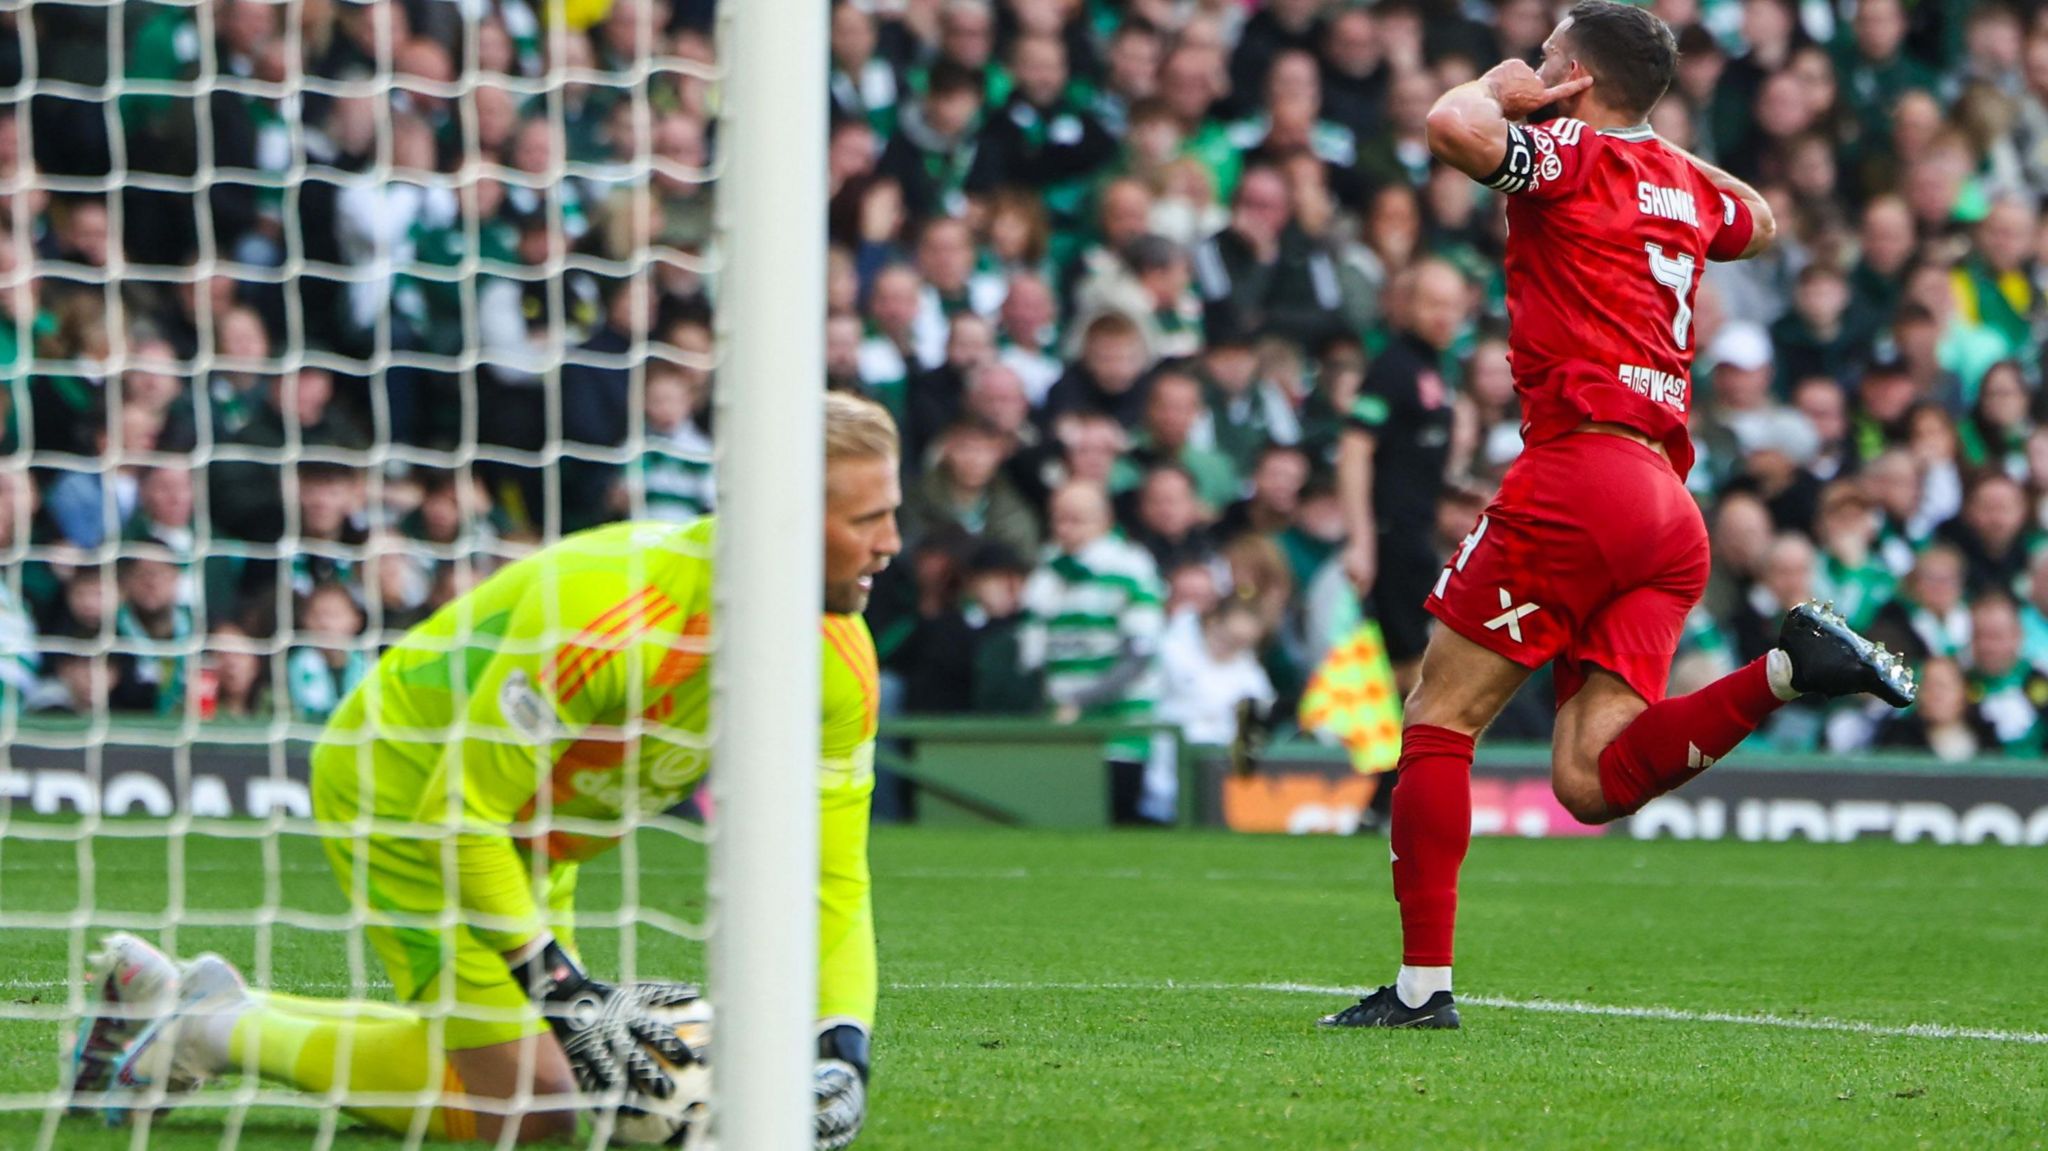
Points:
(1677, 276)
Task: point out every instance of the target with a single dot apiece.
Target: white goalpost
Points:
(771, 433)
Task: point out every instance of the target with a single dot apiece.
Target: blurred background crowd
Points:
(1126, 271)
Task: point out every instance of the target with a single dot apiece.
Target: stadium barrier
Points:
(1027, 772)
(1756, 796)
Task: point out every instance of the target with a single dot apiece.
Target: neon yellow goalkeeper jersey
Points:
(540, 714)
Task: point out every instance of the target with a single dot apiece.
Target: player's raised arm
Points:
(1763, 224)
(1468, 126)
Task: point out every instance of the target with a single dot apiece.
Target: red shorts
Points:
(1592, 553)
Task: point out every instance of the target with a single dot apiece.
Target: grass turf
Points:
(1123, 991)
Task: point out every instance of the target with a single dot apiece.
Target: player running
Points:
(521, 730)
(1592, 554)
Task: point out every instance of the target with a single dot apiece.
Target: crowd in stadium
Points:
(1124, 271)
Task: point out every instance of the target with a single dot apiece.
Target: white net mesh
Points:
(317, 313)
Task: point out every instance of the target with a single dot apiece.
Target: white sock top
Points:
(1415, 985)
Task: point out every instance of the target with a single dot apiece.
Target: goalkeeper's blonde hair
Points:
(858, 429)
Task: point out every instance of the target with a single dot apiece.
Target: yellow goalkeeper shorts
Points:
(446, 971)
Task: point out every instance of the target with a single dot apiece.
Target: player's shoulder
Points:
(1563, 131)
(851, 685)
(650, 540)
(849, 632)
(1553, 152)
(673, 559)
(850, 660)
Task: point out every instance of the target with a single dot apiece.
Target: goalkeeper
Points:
(521, 730)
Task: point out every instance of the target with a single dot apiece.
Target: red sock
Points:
(1677, 739)
(1432, 827)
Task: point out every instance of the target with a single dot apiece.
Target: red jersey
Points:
(1607, 234)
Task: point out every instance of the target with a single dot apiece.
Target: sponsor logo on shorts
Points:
(1511, 616)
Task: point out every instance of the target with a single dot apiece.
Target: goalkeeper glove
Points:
(606, 1031)
(840, 1082)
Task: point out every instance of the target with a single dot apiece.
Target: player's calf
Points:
(1675, 740)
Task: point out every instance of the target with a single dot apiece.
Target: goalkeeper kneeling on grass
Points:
(523, 729)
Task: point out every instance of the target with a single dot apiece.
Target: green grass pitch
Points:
(1123, 991)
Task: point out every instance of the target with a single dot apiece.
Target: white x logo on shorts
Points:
(1510, 616)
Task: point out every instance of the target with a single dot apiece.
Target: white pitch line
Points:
(1542, 1006)
(1538, 1006)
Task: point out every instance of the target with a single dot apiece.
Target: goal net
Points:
(315, 314)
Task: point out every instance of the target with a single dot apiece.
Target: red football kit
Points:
(1594, 552)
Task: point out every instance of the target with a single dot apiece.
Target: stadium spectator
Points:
(1850, 575)
(1151, 286)
(1208, 666)
(1944, 722)
(2005, 690)
(241, 676)
(330, 525)
(1995, 434)
(933, 150)
(454, 518)
(1991, 534)
(1825, 405)
(1174, 416)
(1041, 137)
(1354, 72)
(1486, 417)
(933, 398)
(1276, 486)
(1265, 271)
(1168, 519)
(2034, 611)
(962, 655)
(90, 504)
(163, 511)
(671, 478)
(965, 488)
(234, 392)
(1123, 211)
(1028, 334)
(1893, 481)
(1930, 617)
(150, 626)
(1092, 628)
(328, 663)
(1107, 377)
(246, 496)
(1740, 535)
(596, 386)
(1814, 337)
(1784, 580)
(863, 85)
(1259, 573)
(902, 340)
(399, 584)
(21, 663)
